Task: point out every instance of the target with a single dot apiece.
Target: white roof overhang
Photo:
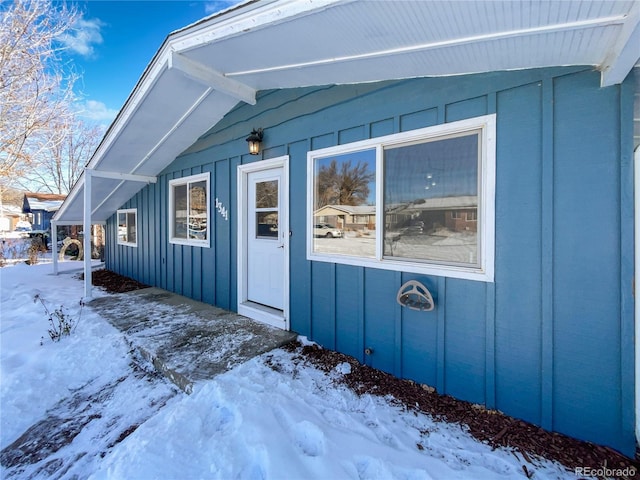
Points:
(202, 71)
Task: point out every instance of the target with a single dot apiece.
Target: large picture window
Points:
(419, 201)
(189, 213)
(128, 227)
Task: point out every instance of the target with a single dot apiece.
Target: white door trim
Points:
(249, 309)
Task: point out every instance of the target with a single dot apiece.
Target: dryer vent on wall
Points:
(415, 296)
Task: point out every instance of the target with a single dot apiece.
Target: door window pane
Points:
(267, 224)
(267, 194)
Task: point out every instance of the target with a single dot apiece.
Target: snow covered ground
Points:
(106, 416)
(445, 246)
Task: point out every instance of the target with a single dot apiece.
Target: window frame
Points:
(171, 214)
(486, 125)
(126, 211)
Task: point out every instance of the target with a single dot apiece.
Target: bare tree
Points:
(12, 196)
(327, 185)
(58, 165)
(267, 194)
(354, 183)
(346, 185)
(36, 87)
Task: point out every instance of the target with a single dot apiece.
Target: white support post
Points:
(87, 233)
(54, 245)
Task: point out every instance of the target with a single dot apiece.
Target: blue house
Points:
(495, 144)
(41, 207)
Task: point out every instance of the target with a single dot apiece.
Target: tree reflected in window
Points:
(345, 205)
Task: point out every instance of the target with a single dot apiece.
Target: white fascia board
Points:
(625, 54)
(225, 12)
(212, 78)
(251, 17)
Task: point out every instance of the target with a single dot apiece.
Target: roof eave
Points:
(254, 15)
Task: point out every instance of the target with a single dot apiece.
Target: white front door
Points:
(265, 240)
(263, 236)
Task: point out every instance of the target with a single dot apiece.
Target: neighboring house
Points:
(455, 213)
(347, 217)
(498, 101)
(40, 208)
(10, 215)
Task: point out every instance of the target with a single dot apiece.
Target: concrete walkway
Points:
(184, 339)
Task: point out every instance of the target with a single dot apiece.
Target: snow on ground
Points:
(269, 418)
(33, 376)
(444, 245)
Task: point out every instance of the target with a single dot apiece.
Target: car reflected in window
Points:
(326, 230)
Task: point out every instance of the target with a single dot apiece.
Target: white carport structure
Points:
(202, 71)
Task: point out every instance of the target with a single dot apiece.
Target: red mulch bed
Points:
(113, 282)
(489, 426)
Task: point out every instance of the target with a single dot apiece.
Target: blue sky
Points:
(114, 41)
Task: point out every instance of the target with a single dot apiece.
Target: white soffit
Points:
(201, 72)
(367, 41)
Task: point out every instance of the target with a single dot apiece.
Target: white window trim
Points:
(185, 181)
(126, 211)
(486, 230)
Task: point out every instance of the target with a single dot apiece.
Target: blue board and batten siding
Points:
(549, 342)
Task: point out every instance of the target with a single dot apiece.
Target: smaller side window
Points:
(189, 212)
(128, 227)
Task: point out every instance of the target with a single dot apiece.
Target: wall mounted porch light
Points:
(254, 140)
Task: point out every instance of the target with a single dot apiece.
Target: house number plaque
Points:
(222, 210)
